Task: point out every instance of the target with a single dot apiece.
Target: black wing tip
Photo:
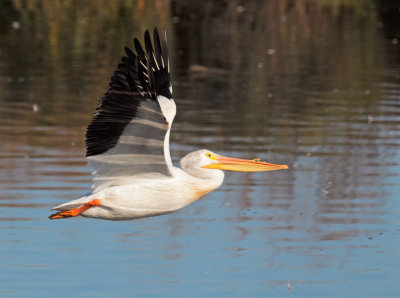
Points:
(152, 81)
(129, 52)
(156, 62)
(136, 79)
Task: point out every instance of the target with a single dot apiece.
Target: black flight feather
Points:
(158, 49)
(136, 79)
(165, 50)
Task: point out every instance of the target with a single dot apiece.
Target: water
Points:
(312, 84)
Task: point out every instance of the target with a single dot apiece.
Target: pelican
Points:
(127, 145)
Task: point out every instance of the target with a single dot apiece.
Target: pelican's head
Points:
(200, 161)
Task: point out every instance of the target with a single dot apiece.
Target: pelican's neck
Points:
(192, 187)
(203, 179)
(207, 179)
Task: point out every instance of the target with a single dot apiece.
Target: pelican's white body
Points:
(148, 196)
(134, 177)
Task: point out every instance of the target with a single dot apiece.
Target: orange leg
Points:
(76, 211)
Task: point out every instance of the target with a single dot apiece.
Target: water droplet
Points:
(16, 25)
(240, 9)
(35, 108)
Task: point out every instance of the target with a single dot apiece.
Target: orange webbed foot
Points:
(76, 211)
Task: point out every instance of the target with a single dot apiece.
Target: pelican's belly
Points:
(142, 200)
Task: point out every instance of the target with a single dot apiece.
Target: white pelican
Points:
(127, 144)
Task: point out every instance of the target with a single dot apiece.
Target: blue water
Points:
(243, 240)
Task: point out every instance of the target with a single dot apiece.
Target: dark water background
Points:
(314, 84)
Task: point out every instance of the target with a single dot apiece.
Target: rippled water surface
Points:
(313, 84)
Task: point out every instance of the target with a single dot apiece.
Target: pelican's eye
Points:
(211, 156)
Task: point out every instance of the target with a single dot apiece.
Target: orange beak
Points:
(243, 165)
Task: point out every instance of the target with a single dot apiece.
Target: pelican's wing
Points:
(128, 136)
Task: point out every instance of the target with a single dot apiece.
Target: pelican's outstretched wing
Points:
(129, 133)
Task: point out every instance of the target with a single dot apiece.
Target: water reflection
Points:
(314, 84)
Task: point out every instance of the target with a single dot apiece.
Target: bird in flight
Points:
(127, 145)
